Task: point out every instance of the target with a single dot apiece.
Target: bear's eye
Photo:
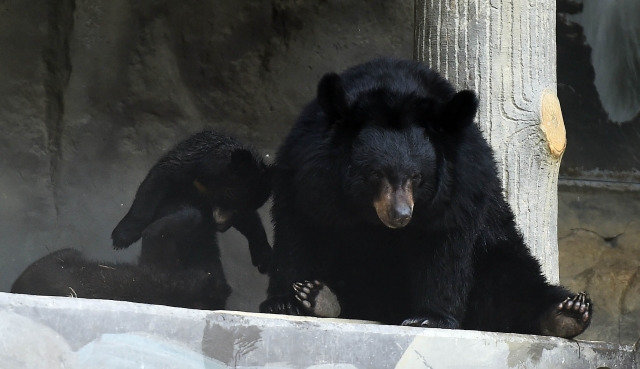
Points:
(374, 175)
(416, 178)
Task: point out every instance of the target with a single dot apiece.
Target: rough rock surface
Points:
(599, 244)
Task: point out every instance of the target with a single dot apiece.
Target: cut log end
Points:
(552, 124)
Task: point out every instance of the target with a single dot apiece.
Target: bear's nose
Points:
(401, 215)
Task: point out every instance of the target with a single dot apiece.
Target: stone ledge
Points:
(59, 332)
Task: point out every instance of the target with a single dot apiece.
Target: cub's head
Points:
(239, 185)
(397, 134)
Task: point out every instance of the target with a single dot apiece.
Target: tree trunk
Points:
(506, 51)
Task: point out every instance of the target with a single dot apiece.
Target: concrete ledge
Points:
(58, 332)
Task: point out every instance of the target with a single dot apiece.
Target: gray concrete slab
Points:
(58, 332)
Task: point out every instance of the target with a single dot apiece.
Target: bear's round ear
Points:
(332, 97)
(241, 158)
(459, 112)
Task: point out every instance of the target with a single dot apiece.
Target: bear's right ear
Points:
(332, 97)
(459, 112)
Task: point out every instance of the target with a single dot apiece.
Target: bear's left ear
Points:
(332, 97)
(459, 112)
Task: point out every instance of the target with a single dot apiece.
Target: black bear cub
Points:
(67, 273)
(387, 206)
(207, 183)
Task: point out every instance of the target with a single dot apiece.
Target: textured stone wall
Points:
(94, 91)
(599, 242)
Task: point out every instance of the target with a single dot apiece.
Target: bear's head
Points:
(397, 139)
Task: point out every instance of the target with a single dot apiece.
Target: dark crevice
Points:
(56, 57)
(611, 241)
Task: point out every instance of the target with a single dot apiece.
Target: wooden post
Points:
(506, 51)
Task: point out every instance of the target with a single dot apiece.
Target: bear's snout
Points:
(394, 205)
(400, 216)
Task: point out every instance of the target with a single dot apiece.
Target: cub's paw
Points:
(281, 305)
(264, 263)
(432, 322)
(261, 257)
(568, 318)
(317, 299)
(125, 234)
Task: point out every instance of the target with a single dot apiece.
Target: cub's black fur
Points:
(67, 273)
(205, 184)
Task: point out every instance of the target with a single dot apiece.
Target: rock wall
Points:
(599, 244)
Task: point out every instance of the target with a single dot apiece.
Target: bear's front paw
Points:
(281, 305)
(432, 322)
(317, 299)
(569, 318)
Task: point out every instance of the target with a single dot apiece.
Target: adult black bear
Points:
(67, 273)
(205, 184)
(387, 194)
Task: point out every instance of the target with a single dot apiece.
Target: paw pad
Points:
(317, 299)
(569, 318)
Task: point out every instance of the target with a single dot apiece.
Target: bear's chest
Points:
(364, 256)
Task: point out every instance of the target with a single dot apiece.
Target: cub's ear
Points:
(332, 97)
(459, 112)
(241, 158)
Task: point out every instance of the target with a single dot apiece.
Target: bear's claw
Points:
(280, 305)
(431, 322)
(569, 318)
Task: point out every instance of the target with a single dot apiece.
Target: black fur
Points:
(206, 175)
(380, 137)
(67, 273)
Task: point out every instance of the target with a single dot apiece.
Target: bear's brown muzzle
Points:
(394, 206)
